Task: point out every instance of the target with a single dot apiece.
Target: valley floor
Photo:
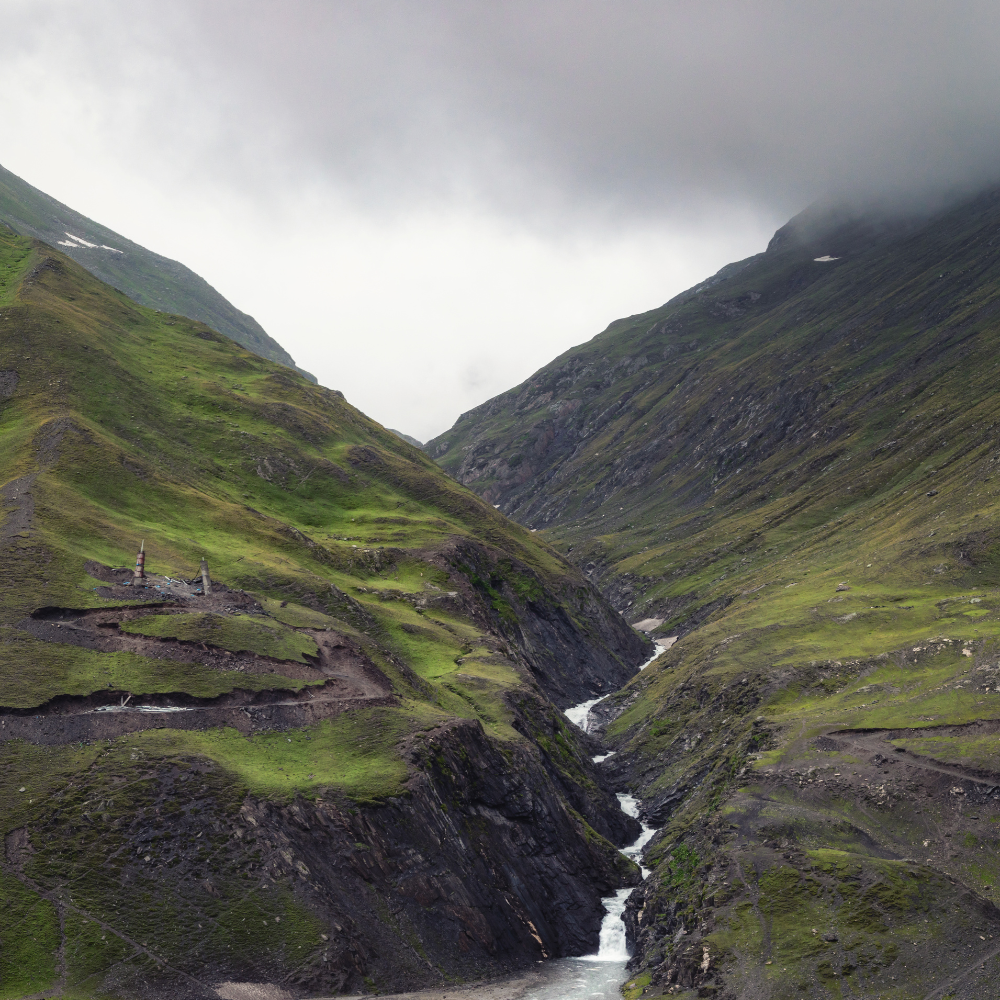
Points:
(504, 989)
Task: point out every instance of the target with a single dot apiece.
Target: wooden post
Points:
(140, 562)
(206, 580)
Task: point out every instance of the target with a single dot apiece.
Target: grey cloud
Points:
(553, 109)
(550, 108)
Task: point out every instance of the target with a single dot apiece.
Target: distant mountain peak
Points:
(145, 277)
(407, 438)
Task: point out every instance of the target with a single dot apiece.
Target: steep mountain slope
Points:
(337, 766)
(779, 373)
(793, 468)
(144, 276)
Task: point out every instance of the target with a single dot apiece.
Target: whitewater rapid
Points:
(598, 976)
(579, 715)
(612, 946)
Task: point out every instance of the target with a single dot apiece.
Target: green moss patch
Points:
(355, 754)
(237, 633)
(29, 940)
(297, 616)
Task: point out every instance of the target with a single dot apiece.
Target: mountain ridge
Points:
(146, 277)
(562, 426)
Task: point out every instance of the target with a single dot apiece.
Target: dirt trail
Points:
(244, 711)
(99, 629)
(342, 675)
(876, 742)
(863, 793)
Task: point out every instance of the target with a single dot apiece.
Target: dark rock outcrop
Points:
(575, 644)
(482, 866)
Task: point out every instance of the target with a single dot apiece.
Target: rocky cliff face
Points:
(574, 643)
(480, 866)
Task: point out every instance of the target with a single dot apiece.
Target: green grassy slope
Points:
(144, 276)
(363, 605)
(795, 466)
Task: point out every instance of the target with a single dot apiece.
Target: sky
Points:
(426, 201)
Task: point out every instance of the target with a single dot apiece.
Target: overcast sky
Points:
(426, 201)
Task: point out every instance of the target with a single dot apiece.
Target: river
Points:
(599, 975)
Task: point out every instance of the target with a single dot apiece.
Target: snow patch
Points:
(82, 242)
(649, 624)
(77, 243)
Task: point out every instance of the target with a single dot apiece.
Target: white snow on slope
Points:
(81, 244)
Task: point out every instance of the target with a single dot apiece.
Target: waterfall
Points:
(612, 947)
(579, 715)
(600, 975)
